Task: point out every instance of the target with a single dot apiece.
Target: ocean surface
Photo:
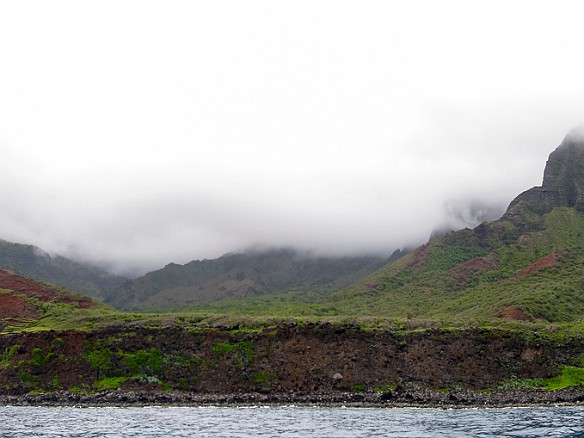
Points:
(289, 422)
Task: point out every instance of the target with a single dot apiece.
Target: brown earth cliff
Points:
(298, 359)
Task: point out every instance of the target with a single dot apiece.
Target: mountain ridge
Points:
(523, 264)
(240, 275)
(32, 262)
(429, 327)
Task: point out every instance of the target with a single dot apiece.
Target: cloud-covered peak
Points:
(576, 135)
(184, 132)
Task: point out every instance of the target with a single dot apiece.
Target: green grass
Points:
(39, 358)
(8, 355)
(259, 378)
(517, 383)
(147, 362)
(569, 377)
(222, 349)
(109, 383)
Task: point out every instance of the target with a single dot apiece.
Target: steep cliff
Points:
(563, 181)
(302, 359)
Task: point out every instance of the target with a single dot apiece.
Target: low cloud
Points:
(143, 219)
(187, 131)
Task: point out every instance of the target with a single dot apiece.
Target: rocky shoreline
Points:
(421, 398)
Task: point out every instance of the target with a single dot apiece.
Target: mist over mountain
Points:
(525, 265)
(32, 262)
(242, 275)
(466, 214)
(563, 180)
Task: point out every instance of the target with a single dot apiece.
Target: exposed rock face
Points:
(311, 359)
(563, 180)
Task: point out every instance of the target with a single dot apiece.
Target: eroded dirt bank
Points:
(283, 364)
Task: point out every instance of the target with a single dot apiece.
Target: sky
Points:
(138, 133)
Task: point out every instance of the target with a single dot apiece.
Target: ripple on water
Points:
(265, 421)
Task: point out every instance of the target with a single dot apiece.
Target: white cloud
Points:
(139, 133)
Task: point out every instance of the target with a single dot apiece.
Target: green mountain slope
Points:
(540, 275)
(240, 276)
(527, 265)
(30, 261)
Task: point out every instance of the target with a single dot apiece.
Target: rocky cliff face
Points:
(301, 359)
(563, 180)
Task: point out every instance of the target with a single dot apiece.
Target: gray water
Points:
(289, 422)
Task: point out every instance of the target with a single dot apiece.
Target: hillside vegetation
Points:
(241, 276)
(525, 266)
(537, 277)
(32, 262)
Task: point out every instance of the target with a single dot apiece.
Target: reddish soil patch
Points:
(27, 287)
(15, 307)
(421, 257)
(513, 313)
(545, 262)
(40, 291)
(481, 265)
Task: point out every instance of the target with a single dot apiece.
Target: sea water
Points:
(289, 422)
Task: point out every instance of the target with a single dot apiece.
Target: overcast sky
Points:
(138, 133)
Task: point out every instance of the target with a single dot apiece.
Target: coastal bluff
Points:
(289, 360)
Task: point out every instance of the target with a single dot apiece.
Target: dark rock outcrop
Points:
(300, 359)
(563, 180)
(402, 397)
(562, 186)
